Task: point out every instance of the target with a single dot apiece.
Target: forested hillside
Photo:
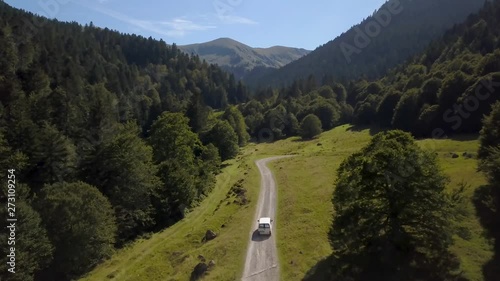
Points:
(445, 90)
(107, 135)
(399, 29)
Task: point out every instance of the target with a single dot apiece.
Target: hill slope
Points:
(399, 29)
(432, 93)
(444, 90)
(239, 58)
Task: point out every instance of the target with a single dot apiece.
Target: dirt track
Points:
(262, 258)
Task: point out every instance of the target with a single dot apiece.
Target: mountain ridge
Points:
(385, 33)
(239, 58)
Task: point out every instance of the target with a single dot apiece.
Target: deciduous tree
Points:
(224, 138)
(33, 250)
(310, 127)
(391, 213)
(81, 225)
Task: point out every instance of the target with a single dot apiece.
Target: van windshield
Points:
(263, 225)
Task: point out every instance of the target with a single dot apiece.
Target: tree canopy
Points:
(310, 127)
(224, 138)
(487, 198)
(391, 213)
(34, 251)
(80, 224)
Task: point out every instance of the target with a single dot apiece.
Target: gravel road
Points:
(262, 258)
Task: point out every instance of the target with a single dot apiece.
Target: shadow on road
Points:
(259, 238)
(487, 202)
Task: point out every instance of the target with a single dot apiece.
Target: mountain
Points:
(240, 59)
(442, 91)
(396, 31)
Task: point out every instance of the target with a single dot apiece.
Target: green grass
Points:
(173, 253)
(305, 186)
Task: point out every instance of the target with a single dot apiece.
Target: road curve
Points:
(262, 257)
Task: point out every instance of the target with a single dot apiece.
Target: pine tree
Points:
(197, 112)
(124, 172)
(174, 146)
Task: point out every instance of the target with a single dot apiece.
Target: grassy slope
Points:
(305, 208)
(305, 185)
(173, 253)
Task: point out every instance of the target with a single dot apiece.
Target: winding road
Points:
(262, 257)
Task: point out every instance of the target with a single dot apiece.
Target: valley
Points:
(373, 157)
(304, 184)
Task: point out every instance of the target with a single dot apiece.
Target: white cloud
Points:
(230, 19)
(176, 27)
(179, 27)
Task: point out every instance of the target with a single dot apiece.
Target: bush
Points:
(310, 127)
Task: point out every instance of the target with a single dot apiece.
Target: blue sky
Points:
(257, 23)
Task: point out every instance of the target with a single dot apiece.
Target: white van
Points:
(265, 226)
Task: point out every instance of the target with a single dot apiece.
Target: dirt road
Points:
(262, 258)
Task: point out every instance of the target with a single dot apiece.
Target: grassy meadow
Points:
(305, 186)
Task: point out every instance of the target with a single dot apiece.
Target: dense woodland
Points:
(445, 90)
(112, 135)
(399, 29)
(489, 164)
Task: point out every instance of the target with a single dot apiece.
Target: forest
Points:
(384, 39)
(445, 90)
(111, 136)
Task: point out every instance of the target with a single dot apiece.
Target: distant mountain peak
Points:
(240, 58)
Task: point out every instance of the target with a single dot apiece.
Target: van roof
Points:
(265, 220)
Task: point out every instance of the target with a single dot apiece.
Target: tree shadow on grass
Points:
(347, 268)
(321, 271)
(304, 140)
(464, 137)
(373, 130)
(487, 202)
(369, 267)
